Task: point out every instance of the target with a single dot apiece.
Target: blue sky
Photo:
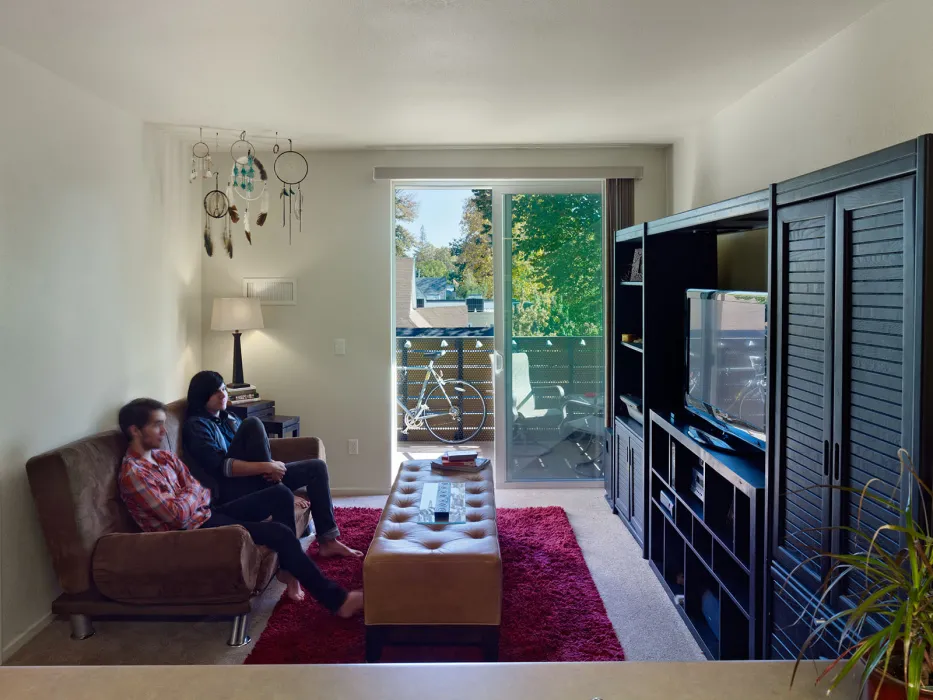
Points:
(439, 214)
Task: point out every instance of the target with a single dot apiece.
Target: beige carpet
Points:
(645, 620)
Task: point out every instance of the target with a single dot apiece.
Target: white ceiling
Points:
(348, 73)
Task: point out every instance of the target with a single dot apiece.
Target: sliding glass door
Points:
(551, 369)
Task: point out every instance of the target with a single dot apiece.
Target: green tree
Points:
(558, 238)
(468, 285)
(431, 268)
(406, 211)
(531, 311)
(556, 261)
(473, 249)
(437, 259)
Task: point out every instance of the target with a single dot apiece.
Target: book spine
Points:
(244, 402)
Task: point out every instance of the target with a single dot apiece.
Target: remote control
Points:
(442, 505)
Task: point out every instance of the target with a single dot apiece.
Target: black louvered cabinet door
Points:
(637, 452)
(623, 493)
(874, 366)
(804, 385)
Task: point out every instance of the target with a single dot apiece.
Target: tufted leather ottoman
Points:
(434, 584)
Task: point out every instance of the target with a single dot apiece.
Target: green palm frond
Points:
(890, 627)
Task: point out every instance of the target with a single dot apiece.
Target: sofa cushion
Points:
(75, 490)
(174, 419)
(218, 565)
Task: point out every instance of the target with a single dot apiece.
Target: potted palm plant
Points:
(888, 635)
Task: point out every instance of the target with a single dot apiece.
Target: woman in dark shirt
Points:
(233, 458)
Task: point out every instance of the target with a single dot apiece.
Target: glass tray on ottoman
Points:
(457, 504)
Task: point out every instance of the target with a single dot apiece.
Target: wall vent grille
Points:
(271, 291)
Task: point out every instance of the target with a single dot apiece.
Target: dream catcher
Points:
(201, 163)
(216, 206)
(291, 168)
(248, 180)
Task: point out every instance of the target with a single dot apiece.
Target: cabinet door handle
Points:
(836, 451)
(825, 457)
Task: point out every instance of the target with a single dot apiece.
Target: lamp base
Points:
(238, 381)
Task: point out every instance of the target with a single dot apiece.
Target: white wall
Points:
(343, 262)
(99, 294)
(866, 88)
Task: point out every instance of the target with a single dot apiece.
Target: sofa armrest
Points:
(296, 449)
(218, 565)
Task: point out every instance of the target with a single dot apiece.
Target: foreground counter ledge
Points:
(739, 680)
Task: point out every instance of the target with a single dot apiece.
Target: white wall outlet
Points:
(353, 446)
(340, 346)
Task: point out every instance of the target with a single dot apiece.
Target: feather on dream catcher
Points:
(216, 206)
(291, 168)
(201, 163)
(248, 181)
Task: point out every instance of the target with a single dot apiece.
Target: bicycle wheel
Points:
(459, 411)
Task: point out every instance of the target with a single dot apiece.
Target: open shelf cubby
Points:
(707, 549)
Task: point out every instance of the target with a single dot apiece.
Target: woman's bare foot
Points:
(352, 605)
(293, 589)
(333, 548)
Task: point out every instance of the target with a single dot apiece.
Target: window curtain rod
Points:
(486, 174)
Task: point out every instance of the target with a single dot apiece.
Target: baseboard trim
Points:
(25, 637)
(346, 492)
(510, 485)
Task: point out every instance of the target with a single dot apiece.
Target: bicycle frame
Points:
(420, 411)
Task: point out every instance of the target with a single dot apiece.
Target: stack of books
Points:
(242, 395)
(460, 461)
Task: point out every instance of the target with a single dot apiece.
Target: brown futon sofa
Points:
(107, 567)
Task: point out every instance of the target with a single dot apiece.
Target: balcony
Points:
(573, 366)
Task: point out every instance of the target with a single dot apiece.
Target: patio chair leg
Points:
(81, 627)
(238, 631)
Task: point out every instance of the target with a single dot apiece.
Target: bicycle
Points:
(442, 410)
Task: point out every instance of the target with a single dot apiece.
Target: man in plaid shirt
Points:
(161, 495)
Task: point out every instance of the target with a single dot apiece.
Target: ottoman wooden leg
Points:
(491, 644)
(374, 642)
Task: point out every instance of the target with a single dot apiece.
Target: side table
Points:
(262, 409)
(282, 426)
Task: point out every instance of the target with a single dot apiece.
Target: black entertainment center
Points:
(736, 412)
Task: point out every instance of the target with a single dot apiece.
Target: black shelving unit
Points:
(627, 479)
(844, 254)
(707, 549)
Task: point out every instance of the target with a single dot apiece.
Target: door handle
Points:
(497, 363)
(836, 451)
(825, 457)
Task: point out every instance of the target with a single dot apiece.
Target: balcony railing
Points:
(572, 362)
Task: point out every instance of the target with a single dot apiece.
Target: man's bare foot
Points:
(352, 605)
(293, 589)
(333, 548)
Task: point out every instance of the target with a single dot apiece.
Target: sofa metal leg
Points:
(81, 627)
(238, 631)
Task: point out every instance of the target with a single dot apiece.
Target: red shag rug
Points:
(551, 610)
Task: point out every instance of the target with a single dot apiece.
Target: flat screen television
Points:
(726, 367)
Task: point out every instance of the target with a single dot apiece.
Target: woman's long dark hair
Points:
(202, 386)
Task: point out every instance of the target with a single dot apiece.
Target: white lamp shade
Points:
(236, 314)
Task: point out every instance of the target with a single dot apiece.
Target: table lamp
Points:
(236, 314)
